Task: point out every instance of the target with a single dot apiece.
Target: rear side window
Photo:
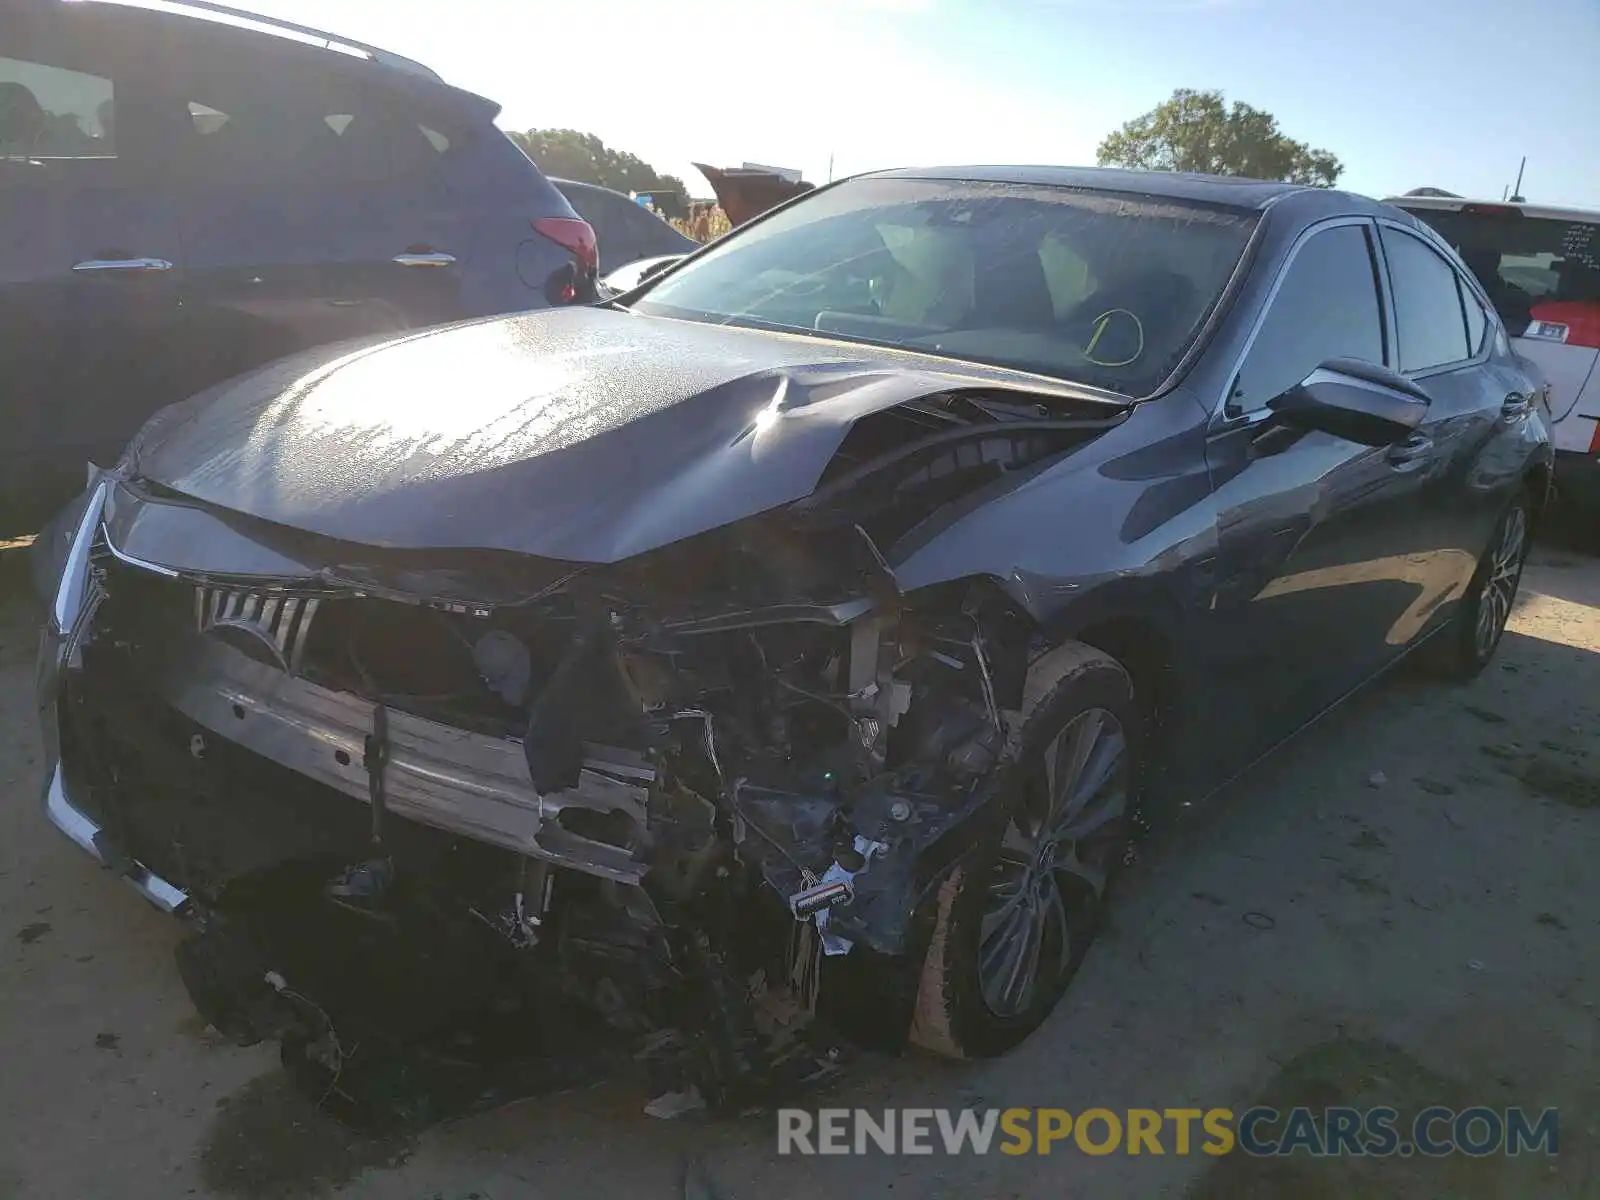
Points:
(1326, 307)
(1522, 260)
(1427, 304)
(239, 128)
(47, 112)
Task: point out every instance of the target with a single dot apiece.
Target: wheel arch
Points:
(1146, 651)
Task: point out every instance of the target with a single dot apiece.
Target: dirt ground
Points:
(1319, 934)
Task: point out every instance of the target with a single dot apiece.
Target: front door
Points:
(1314, 586)
(90, 267)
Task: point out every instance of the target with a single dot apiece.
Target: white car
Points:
(1541, 268)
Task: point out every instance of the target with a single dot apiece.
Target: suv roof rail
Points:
(224, 14)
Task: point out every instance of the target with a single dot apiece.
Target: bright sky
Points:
(1406, 92)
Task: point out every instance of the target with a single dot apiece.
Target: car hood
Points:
(584, 434)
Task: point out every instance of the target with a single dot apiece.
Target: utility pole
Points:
(1516, 192)
(830, 167)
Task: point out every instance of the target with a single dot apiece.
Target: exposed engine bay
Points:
(681, 815)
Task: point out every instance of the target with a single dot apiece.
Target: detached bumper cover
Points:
(71, 608)
(87, 836)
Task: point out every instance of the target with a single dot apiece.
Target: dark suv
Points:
(188, 192)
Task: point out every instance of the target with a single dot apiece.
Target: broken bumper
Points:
(86, 834)
(450, 779)
(70, 608)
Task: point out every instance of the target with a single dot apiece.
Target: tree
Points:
(568, 154)
(1196, 131)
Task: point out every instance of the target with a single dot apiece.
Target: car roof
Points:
(1457, 203)
(239, 18)
(564, 183)
(1231, 191)
(209, 28)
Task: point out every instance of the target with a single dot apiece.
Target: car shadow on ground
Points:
(1559, 571)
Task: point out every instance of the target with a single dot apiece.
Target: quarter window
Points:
(1427, 304)
(1476, 322)
(1326, 307)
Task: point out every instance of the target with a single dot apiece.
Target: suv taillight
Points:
(575, 236)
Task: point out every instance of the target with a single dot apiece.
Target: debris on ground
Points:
(675, 1104)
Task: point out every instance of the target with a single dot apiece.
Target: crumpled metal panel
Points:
(453, 779)
(583, 434)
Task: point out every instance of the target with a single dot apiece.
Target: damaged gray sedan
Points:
(784, 655)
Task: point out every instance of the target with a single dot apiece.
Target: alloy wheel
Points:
(1055, 856)
(1500, 581)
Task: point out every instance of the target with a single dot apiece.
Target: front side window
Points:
(1326, 307)
(1105, 289)
(48, 112)
(1432, 329)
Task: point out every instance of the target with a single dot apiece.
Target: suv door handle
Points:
(122, 264)
(1412, 452)
(424, 258)
(1517, 404)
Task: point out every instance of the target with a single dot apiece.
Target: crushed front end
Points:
(458, 826)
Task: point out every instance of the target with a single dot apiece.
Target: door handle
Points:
(424, 258)
(1416, 449)
(1517, 404)
(122, 264)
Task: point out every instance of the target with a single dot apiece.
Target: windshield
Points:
(1098, 288)
(1524, 261)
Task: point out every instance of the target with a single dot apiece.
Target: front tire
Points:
(1014, 921)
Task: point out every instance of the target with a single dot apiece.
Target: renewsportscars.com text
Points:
(1432, 1132)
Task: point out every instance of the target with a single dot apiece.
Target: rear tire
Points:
(1013, 922)
(1465, 646)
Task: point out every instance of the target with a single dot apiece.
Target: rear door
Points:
(1479, 399)
(90, 261)
(313, 209)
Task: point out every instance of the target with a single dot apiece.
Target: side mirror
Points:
(635, 274)
(1356, 400)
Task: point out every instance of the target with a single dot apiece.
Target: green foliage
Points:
(568, 154)
(1196, 131)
